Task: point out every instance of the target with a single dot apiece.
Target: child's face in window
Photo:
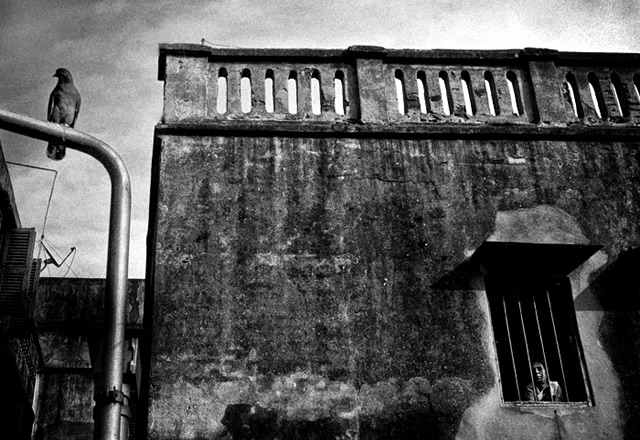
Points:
(539, 372)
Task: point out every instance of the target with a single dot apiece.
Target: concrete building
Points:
(19, 350)
(378, 244)
(69, 321)
(50, 333)
(370, 244)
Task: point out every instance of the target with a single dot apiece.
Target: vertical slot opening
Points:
(423, 95)
(292, 88)
(316, 93)
(596, 95)
(245, 91)
(620, 94)
(268, 91)
(445, 92)
(400, 92)
(492, 97)
(221, 104)
(574, 95)
(514, 93)
(467, 93)
(338, 84)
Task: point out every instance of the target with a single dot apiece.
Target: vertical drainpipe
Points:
(109, 396)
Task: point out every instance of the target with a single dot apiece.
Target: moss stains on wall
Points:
(296, 280)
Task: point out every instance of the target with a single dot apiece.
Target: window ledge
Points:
(548, 409)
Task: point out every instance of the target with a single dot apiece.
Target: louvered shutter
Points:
(16, 265)
(32, 286)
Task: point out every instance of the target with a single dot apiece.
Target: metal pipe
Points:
(109, 396)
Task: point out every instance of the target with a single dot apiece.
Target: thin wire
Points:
(203, 41)
(69, 265)
(53, 184)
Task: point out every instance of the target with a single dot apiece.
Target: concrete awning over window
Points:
(517, 259)
(521, 259)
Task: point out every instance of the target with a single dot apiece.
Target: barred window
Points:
(534, 321)
(535, 330)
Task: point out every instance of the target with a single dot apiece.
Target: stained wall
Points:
(298, 274)
(301, 265)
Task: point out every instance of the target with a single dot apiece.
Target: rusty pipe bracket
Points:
(109, 397)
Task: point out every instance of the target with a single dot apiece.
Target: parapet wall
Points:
(374, 85)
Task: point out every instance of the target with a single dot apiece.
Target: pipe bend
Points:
(108, 415)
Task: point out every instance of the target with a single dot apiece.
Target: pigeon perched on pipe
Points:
(64, 106)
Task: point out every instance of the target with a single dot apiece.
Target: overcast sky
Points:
(111, 47)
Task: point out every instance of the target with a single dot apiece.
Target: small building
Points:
(20, 355)
(377, 244)
(50, 336)
(69, 321)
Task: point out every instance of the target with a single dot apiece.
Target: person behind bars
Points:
(542, 389)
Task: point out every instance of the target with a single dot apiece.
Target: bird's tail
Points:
(56, 152)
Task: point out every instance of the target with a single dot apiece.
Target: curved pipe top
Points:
(109, 400)
(74, 139)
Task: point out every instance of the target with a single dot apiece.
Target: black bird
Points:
(64, 106)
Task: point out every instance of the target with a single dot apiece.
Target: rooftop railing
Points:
(374, 85)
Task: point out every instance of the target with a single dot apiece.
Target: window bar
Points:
(555, 334)
(585, 379)
(513, 359)
(526, 346)
(544, 353)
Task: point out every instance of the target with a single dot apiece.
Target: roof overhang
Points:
(536, 259)
(515, 259)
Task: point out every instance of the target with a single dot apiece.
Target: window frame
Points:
(495, 287)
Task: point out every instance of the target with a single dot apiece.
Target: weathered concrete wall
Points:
(79, 303)
(68, 317)
(65, 407)
(296, 280)
(528, 86)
